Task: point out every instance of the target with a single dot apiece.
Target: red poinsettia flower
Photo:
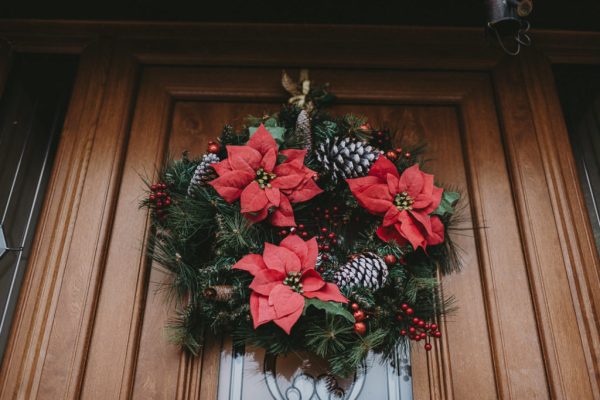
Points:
(405, 202)
(265, 189)
(283, 276)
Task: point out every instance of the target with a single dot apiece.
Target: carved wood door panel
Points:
(177, 109)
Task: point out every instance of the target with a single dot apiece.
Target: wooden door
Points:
(526, 325)
(181, 109)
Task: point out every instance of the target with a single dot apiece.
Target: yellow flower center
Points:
(264, 178)
(293, 281)
(403, 201)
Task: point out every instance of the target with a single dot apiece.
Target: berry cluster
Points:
(359, 316)
(397, 153)
(419, 329)
(331, 215)
(160, 199)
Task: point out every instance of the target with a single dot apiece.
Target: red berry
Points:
(168, 201)
(399, 317)
(153, 187)
(283, 232)
(152, 197)
(324, 230)
(304, 234)
(412, 329)
(421, 323)
(433, 327)
(355, 306)
(426, 327)
(360, 328)
(399, 150)
(159, 203)
(320, 247)
(403, 332)
(391, 155)
(415, 320)
(437, 334)
(410, 311)
(423, 335)
(325, 257)
(390, 259)
(331, 235)
(428, 346)
(334, 241)
(407, 154)
(404, 306)
(326, 248)
(359, 315)
(301, 226)
(336, 208)
(163, 186)
(417, 338)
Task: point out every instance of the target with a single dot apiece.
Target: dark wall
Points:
(549, 14)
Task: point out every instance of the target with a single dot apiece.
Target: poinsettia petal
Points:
(437, 228)
(375, 199)
(311, 281)
(294, 157)
(266, 280)
(285, 300)
(230, 185)
(422, 202)
(222, 167)
(409, 230)
(359, 185)
(274, 196)
(382, 167)
(297, 246)
(427, 183)
(393, 183)
(312, 254)
(251, 263)
(269, 160)
(412, 180)
(258, 216)
(243, 158)
(262, 140)
(391, 216)
(253, 198)
(305, 191)
(280, 259)
(287, 323)
(389, 233)
(329, 292)
(422, 219)
(283, 215)
(260, 309)
(288, 179)
(436, 198)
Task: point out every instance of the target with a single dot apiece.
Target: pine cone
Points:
(303, 129)
(204, 172)
(368, 270)
(346, 157)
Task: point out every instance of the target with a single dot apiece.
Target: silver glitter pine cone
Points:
(366, 270)
(345, 158)
(204, 172)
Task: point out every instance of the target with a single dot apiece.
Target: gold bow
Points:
(299, 90)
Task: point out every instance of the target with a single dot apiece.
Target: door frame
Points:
(64, 269)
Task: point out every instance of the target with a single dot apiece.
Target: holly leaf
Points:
(446, 206)
(329, 307)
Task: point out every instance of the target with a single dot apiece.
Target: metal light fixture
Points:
(3, 246)
(506, 19)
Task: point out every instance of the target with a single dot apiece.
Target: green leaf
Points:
(329, 307)
(446, 206)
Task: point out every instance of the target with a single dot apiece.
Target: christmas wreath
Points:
(305, 232)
